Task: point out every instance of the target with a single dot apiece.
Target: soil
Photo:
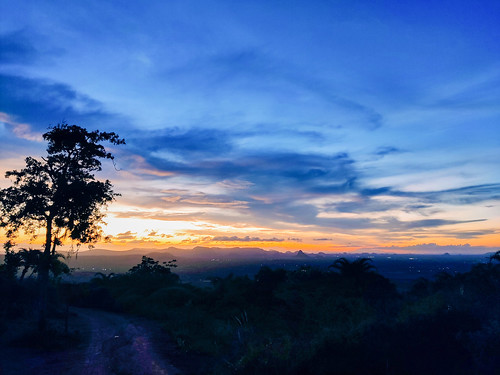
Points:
(116, 345)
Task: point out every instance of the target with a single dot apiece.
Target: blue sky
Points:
(322, 125)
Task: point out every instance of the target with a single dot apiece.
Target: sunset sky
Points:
(313, 125)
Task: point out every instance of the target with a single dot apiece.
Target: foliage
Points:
(355, 269)
(348, 322)
(313, 321)
(495, 257)
(149, 266)
(12, 261)
(58, 193)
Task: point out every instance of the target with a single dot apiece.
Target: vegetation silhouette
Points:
(30, 259)
(59, 194)
(312, 320)
(495, 256)
(357, 268)
(307, 320)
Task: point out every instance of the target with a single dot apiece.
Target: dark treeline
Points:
(345, 320)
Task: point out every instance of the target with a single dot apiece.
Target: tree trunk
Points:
(25, 270)
(43, 277)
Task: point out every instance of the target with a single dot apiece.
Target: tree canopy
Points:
(59, 194)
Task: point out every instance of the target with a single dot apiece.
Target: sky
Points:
(314, 125)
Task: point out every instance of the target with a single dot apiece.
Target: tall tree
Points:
(356, 268)
(59, 194)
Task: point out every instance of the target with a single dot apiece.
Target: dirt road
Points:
(117, 345)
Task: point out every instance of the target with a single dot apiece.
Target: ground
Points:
(115, 345)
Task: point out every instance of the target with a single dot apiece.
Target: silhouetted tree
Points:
(356, 272)
(495, 256)
(12, 261)
(59, 194)
(30, 258)
(150, 266)
(355, 268)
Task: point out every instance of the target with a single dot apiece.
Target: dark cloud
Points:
(128, 235)
(195, 142)
(289, 211)
(361, 205)
(464, 195)
(270, 172)
(473, 233)
(387, 150)
(42, 102)
(245, 239)
(277, 184)
(284, 180)
(428, 223)
(16, 47)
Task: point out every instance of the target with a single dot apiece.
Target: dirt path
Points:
(118, 345)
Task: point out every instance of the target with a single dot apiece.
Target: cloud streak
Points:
(244, 239)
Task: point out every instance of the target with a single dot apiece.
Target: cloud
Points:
(128, 235)
(195, 142)
(155, 233)
(482, 93)
(463, 195)
(175, 198)
(139, 165)
(269, 170)
(161, 215)
(387, 150)
(277, 187)
(458, 196)
(245, 239)
(17, 47)
(235, 184)
(20, 130)
(473, 233)
(429, 223)
(40, 103)
(254, 77)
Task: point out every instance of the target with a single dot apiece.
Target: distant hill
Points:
(206, 258)
(197, 264)
(200, 252)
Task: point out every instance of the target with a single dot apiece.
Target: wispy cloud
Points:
(387, 150)
(20, 130)
(244, 239)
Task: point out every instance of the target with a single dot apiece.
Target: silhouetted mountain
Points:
(200, 252)
(104, 252)
(300, 254)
